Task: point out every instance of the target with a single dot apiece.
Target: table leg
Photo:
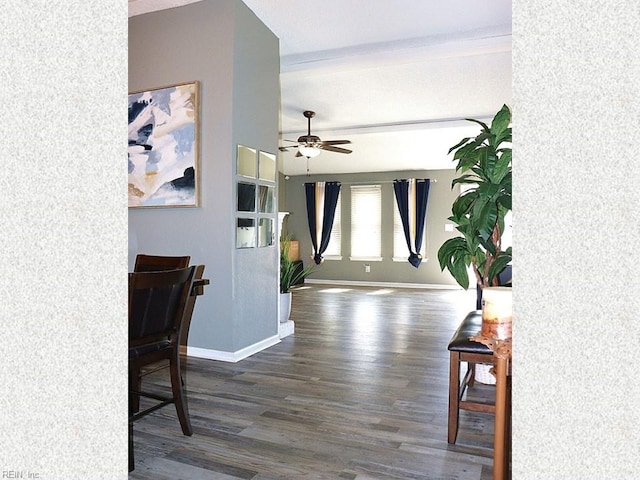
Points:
(499, 440)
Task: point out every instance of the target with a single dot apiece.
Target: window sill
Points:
(406, 259)
(365, 259)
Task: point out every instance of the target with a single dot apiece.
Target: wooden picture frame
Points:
(164, 147)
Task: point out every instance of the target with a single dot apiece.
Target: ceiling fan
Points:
(310, 145)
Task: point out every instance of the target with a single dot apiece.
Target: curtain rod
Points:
(372, 182)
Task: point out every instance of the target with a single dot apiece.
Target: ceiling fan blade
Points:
(314, 142)
(336, 142)
(329, 148)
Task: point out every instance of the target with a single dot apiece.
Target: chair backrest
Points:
(186, 324)
(157, 302)
(504, 277)
(155, 263)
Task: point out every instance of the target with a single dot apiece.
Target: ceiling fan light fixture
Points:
(309, 151)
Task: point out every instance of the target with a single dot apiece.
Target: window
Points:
(400, 250)
(366, 219)
(334, 249)
(506, 241)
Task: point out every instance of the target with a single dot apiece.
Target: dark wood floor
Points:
(360, 391)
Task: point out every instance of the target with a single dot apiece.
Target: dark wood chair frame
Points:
(156, 263)
(457, 388)
(462, 349)
(162, 342)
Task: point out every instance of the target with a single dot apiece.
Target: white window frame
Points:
(399, 240)
(366, 224)
(334, 249)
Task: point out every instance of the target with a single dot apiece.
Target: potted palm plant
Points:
(484, 164)
(290, 274)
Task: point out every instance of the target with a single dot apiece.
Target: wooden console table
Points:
(502, 437)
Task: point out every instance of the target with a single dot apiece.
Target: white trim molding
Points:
(233, 357)
(357, 283)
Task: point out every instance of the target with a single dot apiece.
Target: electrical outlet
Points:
(448, 227)
(367, 268)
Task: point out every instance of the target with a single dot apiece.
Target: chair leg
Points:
(132, 463)
(183, 369)
(136, 385)
(179, 397)
(454, 396)
(472, 378)
(131, 407)
(509, 432)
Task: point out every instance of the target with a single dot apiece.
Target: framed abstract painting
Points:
(163, 152)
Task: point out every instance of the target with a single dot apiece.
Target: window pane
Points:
(267, 166)
(266, 235)
(400, 249)
(246, 163)
(246, 233)
(335, 240)
(507, 241)
(365, 220)
(246, 197)
(266, 199)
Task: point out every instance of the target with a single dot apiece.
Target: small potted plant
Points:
(290, 275)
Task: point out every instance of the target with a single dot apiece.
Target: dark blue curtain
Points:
(322, 198)
(411, 198)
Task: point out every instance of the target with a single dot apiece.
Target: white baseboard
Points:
(286, 328)
(356, 283)
(233, 357)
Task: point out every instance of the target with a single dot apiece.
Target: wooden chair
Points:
(156, 263)
(157, 306)
(153, 263)
(198, 289)
(462, 349)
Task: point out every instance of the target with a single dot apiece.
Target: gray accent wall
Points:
(225, 47)
(441, 198)
(256, 104)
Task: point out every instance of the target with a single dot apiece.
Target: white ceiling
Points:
(396, 77)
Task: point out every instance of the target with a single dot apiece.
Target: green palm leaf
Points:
(479, 212)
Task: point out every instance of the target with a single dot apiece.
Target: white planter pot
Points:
(496, 312)
(285, 306)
